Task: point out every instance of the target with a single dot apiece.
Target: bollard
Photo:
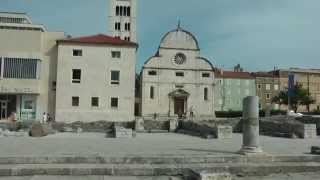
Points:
(250, 132)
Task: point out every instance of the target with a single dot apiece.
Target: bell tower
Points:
(122, 19)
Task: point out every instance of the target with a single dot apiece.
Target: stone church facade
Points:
(177, 80)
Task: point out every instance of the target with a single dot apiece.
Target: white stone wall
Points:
(166, 80)
(123, 19)
(96, 65)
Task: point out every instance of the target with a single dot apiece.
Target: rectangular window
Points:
(28, 105)
(205, 75)
(116, 54)
(268, 96)
(115, 77)
(20, 68)
(114, 102)
(95, 102)
(180, 74)
(152, 73)
(76, 75)
(268, 87)
(75, 101)
(259, 86)
(77, 52)
(276, 87)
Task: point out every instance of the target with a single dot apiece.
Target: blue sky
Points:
(258, 34)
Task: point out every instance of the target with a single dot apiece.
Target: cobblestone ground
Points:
(143, 144)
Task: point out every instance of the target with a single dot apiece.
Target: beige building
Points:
(310, 80)
(28, 55)
(177, 80)
(267, 87)
(95, 79)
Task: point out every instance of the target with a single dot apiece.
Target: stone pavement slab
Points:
(95, 144)
(88, 178)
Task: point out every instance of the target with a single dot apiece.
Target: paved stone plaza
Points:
(143, 144)
(295, 176)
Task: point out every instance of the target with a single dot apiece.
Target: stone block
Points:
(8, 133)
(310, 131)
(224, 132)
(121, 132)
(67, 129)
(173, 125)
(315, 150)
(204, 175)
(39, 130)
(139, 125)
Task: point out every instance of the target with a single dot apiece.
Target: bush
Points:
(233, 114)
(228, 114)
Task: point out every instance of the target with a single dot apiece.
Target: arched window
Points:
(117, 26)
(151, 92)
(121, 10)
(127, 38)
(117, 11)
(205, 95)
(128, 11)
(124, 11)
(127, 26)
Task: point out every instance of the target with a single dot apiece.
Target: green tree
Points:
(300, 97)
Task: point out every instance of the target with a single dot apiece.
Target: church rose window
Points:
(180, 58)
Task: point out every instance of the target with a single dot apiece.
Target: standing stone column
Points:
(250, 126)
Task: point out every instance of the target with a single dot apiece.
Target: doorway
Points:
(179, 106)
(3, 109)
(8, 105)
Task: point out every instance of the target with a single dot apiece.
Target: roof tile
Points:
(98, 39)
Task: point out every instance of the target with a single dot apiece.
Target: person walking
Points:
(44, 118)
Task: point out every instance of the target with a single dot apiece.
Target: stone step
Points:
(243, 169)
(159, 159)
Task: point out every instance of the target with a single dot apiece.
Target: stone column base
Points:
(246, 150)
